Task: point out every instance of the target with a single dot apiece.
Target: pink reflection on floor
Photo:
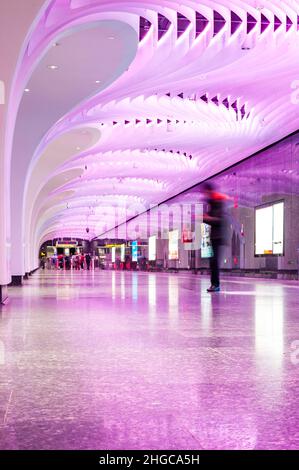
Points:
(128, 360)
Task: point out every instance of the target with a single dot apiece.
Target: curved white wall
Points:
(13, 30)
(52, 94)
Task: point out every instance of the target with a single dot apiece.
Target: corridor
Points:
(132, 360)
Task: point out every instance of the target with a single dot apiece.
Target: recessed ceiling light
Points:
(78, 148)
(27, 90)
(98, 81)
(53, 67)
(111, 37)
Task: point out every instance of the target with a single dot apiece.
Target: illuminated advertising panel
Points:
(122, 252)
(152, 248)
(173, 245)
(66, 244)
(205, 244)
(113, 250)
(134, 251)
(51, 250)
(269, 229)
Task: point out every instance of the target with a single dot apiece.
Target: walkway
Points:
(122, 360)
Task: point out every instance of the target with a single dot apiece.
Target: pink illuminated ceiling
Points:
(196, 87)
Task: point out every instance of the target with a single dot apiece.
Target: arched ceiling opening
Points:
(71, 68)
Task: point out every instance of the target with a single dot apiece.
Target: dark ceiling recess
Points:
(201, 23)
(163, 25)
(277, 23)
(264, 23)
(183, 24)
(144, 27)
(219, 22)
(251, 22)
(235, 22)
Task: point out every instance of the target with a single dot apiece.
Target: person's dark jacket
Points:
(215, 210)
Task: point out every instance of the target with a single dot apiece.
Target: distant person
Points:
(67, 262)
(77, 263)
(53, 262)
(60, 261)
(88, 261)
(214, 216)
(82, 261)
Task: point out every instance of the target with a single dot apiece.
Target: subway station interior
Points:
(149, 224)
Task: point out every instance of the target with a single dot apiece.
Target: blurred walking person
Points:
(214, 215)
(88, 260)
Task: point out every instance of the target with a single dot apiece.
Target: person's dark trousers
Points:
(214, 264)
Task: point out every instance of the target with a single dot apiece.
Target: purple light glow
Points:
(112, 115)
(186, 105)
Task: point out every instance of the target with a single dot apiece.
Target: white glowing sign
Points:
(113, 250)
(206, 246)
(173, 245)
(134, 251)
(122, 252)
(152, 248)
(269, 229)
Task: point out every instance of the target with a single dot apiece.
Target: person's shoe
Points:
(213, 289)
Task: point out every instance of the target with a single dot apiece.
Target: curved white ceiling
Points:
(210, 84)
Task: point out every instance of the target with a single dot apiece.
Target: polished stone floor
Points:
(122, 360)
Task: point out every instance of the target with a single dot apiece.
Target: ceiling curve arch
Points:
(197, 95)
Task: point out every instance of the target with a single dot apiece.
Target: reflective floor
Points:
(122, 360)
